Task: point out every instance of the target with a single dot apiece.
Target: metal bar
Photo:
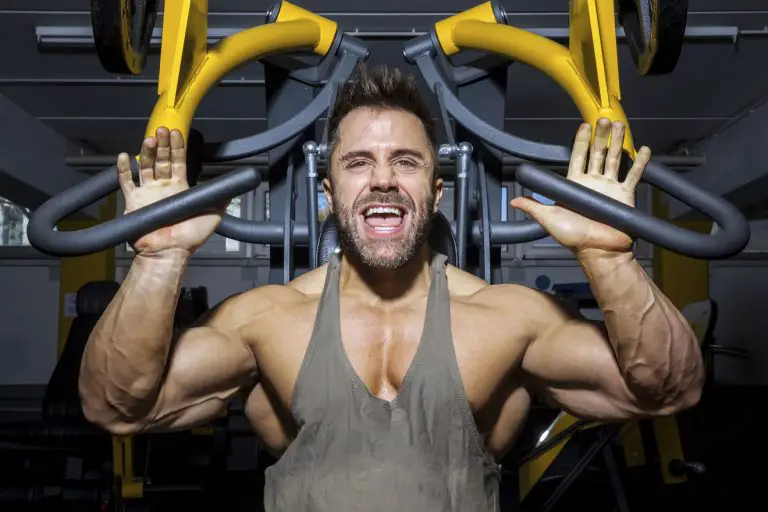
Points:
(613, 474)
(581, 465)
(463, 162)
(114, 81)
(286, 97)
(289, 221)
(485, 216)
(310, 157)
(80, 36)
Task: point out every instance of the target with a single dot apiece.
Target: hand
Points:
(163, 173)
(571, 229)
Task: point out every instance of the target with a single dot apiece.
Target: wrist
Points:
(599, 256)
(174, 254)
(601, 264)
(162, 263)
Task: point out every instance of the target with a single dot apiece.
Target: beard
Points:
(384, 254)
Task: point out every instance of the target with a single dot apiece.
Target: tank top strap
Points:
(437, 326)
(320, 358)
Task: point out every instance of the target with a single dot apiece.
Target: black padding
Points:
(94, 297)
(62, 399)
(441, 239)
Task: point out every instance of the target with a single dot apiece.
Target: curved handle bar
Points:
(499, 139)
(234, 50)
(131, 226)
(350, 51)
(730, 240)
(483, 32)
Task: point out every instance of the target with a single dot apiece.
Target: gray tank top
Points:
(356, 452)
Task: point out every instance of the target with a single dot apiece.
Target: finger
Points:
(635, 174)
(178, 156)
(147, 160)
(531, 207)
(580, 150)
(613, 160)
(163, 158)
(597, 155)
(124, 173)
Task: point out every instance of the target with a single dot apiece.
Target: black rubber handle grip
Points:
(732, 237)
(131, 226)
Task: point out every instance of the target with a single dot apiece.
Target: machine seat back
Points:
(62, 400)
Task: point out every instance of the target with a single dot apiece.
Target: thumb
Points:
(531, 207)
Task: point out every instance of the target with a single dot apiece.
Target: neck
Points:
(383, 285)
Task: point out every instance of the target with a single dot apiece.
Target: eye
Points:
(357, 165)
(406, 164)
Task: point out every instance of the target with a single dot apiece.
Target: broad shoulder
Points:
(512, 301)
(267, 303)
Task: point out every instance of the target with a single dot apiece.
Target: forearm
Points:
(126, 355)
(655, 348)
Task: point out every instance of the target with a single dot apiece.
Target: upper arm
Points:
(207, 365)
(570, 363)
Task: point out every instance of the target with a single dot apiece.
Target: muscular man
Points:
(387, 379)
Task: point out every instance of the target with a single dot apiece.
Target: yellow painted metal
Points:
(132, 487)
(444, 28)
(587, 70)
(669, 446)
(183, 48)
(532, 470)
(188, 69)
(632, 442)
(291, 12)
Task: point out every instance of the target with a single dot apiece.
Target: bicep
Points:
(574, 367)
(206, 367)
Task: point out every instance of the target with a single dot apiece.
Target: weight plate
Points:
(655, 32)
(122, 30)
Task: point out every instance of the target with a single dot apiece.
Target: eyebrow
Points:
(346, 157)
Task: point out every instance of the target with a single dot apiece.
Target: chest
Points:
(380, 345)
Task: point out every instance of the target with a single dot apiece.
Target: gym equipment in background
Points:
(122, 31)
(591, 79)
(655, 31)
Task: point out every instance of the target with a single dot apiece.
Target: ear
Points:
(438, 194)
(328, 191)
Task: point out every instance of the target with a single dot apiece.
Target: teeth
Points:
(384, 210)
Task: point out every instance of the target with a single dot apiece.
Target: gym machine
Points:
(587, 70)
(483, 28)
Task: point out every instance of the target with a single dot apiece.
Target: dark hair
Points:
(380, 87)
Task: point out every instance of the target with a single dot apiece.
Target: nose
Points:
(383, 177)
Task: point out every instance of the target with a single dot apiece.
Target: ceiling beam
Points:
(80, 36)
(736, 166)
(33, 160)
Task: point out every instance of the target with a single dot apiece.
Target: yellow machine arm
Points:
(587, 69)
(188, 69)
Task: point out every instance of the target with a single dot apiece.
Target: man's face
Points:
(383, 190)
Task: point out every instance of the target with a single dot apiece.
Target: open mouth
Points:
(383, 220)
